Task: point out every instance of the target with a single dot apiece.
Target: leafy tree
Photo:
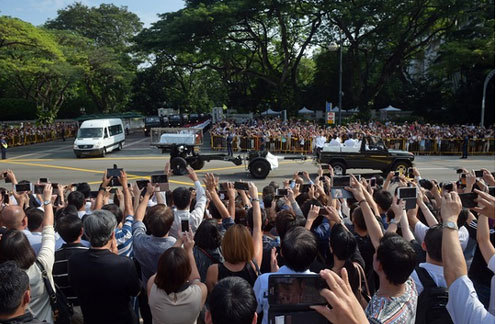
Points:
(37, 65)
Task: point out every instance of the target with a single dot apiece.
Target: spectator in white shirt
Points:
(350, 142)
(335, 141)
(182, 201)
(463, 304)
(299, 249)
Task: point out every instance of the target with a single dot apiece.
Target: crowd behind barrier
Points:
(299, 137)
(27, 133)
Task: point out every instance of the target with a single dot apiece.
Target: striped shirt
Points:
(124, 237)
(394, 310)
(60, 274)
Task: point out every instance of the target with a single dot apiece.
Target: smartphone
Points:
(468, 199)
(426, 184)
(322, 178)
(55, 188)
(38, 188)
(282, 192)
(159, 178)
(241, 186)
(341, 181)
(142, 184)
(43, 180)
(305, 187)
(293, 290)
(114, 182)
(396, 173)
(24, 187)
(463, 179)
(113, 190)
(301, 174)
(448, 187)
(491, 191)
(410, 173)
(479, 173)
(373, 182)
(358, 177)
(405, 193)
(184, 225)
(338, 193)
(222, 186)
(459, 170)
(7, 179)
(114, 172)
(322, 211)
(93, 194)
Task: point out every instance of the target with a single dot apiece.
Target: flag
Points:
(224, 106)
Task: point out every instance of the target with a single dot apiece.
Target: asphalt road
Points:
(56, 161)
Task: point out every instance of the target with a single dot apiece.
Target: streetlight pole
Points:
(341, 80)
(486, 81)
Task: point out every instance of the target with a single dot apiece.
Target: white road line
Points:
(135, 142)
(49, 151)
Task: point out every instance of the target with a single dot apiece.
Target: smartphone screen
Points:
(24, 187)
(38, 188)
(296, 290)
(241, 186)
(142, 184)
(6, 178)
(55, 188)
(114, 172)
(282, 192)
(479, 173)
(342, 181)
(410, 173)
(407, 193)
(468, 199)
(184, 225)
(372, 182)
(43, 180)
(113, 190)
(159, 178)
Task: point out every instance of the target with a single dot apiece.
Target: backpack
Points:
(431, 304)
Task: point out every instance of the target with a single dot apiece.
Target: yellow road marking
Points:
(55, 167)
(241, 166)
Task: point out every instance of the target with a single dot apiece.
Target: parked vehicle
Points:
(99, 137)
(371, 153)
(151, 121)
(194, 118)
(175, 121)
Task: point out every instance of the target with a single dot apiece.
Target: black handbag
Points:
(61, 309)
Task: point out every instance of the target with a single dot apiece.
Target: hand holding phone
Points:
(238, 185)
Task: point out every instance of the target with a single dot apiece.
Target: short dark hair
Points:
(249, 217)
(285, 220)
(214, 212)
(173, 270)
(15, 246)
(207, 235)
(342, 242)
(397, 257)
(13, 284)
(181, 197)
(114, 209)
(232, 301)
(84, 188)
(76, 198)
(434, 242)
(299, 248)
(159, 220)
(69, 228)
(383, 199)
(35, 218)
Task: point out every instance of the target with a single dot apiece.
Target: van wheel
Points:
(104, 152)
(119, 148)
(178, 165)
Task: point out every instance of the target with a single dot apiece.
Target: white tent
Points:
(304, 111)
(336, 109)
(390, 108)
(270, 112)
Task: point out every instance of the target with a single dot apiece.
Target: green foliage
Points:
(17, 109)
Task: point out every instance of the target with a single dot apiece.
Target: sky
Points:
(38, 11)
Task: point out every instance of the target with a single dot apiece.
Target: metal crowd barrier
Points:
(422, 147)
(28, 139)
(255, 143)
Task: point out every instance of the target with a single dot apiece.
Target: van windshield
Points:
(90, 133)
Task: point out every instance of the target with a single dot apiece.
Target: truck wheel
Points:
(197, 164)
(401, 167)
(339, 168)
(178, 166)
(259, 169)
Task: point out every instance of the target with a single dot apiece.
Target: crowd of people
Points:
(25, 132)
(274, 134)
(211, 254)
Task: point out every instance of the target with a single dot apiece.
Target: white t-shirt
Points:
(463, 305)
(436, 272)
(421, 230)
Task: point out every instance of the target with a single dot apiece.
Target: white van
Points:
(99, 136)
